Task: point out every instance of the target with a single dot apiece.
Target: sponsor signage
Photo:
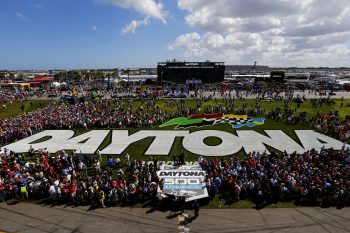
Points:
(199, 120)
(163, 140)
(185, 181)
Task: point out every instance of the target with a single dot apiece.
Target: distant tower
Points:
(255, 64)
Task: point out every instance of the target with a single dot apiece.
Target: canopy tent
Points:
(23, 86)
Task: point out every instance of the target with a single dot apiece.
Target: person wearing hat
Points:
(24, 192)
(117, 162)
(127, 159)
(101, 198)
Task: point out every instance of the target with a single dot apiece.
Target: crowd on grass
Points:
(330, 123)
(125, 90)
(79, 180)
(10, 95)
(86, 115)
(86, 90)
(145, 112)
(318, 178)
(314, 178)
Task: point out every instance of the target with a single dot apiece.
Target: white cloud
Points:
(279, 32)
(37, 6)
(131, 27)
(195, 45)
(94, 28)
(150, 8)
(186, 40)
(20, 15)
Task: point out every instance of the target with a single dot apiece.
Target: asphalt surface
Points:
(307, 94)
(27, 217)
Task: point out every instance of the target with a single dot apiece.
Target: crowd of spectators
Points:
(330, 123)
(120, 113)
(125, 90)
(98, 114)
(76, 179)
(314, 178)
(10, 95)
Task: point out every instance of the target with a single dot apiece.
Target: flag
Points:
(199, 120)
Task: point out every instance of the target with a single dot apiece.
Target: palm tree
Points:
(11, 76)
(109, 81)
(128, 73)
(2, 76)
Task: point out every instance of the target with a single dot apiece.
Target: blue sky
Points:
(74, 34)
(81, 34)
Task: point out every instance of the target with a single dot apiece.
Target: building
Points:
(195, 72)
(297, 77)
(137, 78)
(45, 82)
(246, 69)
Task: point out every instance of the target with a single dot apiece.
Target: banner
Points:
(184, 181)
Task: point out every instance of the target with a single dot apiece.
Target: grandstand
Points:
(182, 72)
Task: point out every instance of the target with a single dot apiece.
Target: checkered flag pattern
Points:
(233, 121)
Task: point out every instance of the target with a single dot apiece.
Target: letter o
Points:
(194, 143)
(180, 181)
(168, 181)
(193, 181)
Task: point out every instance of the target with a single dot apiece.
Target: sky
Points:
(86, 34)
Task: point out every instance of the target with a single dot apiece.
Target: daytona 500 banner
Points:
(184, 181)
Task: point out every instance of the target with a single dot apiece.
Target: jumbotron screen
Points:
(179, 72)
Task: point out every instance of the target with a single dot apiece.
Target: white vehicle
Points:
(342, 81)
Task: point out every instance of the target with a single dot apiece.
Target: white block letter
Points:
(160, 146)
(194, 142)
(62, 140)
(311, 139)
(52, 144)
(254, 141)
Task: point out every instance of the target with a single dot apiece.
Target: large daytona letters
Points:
(87, 143)
(160, 146)
(250, 140)
(254, 141)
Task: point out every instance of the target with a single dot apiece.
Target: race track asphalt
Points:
(29, 217)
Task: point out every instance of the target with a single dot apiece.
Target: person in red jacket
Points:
(251, 162)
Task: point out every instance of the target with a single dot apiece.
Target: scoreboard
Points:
(180, 72)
